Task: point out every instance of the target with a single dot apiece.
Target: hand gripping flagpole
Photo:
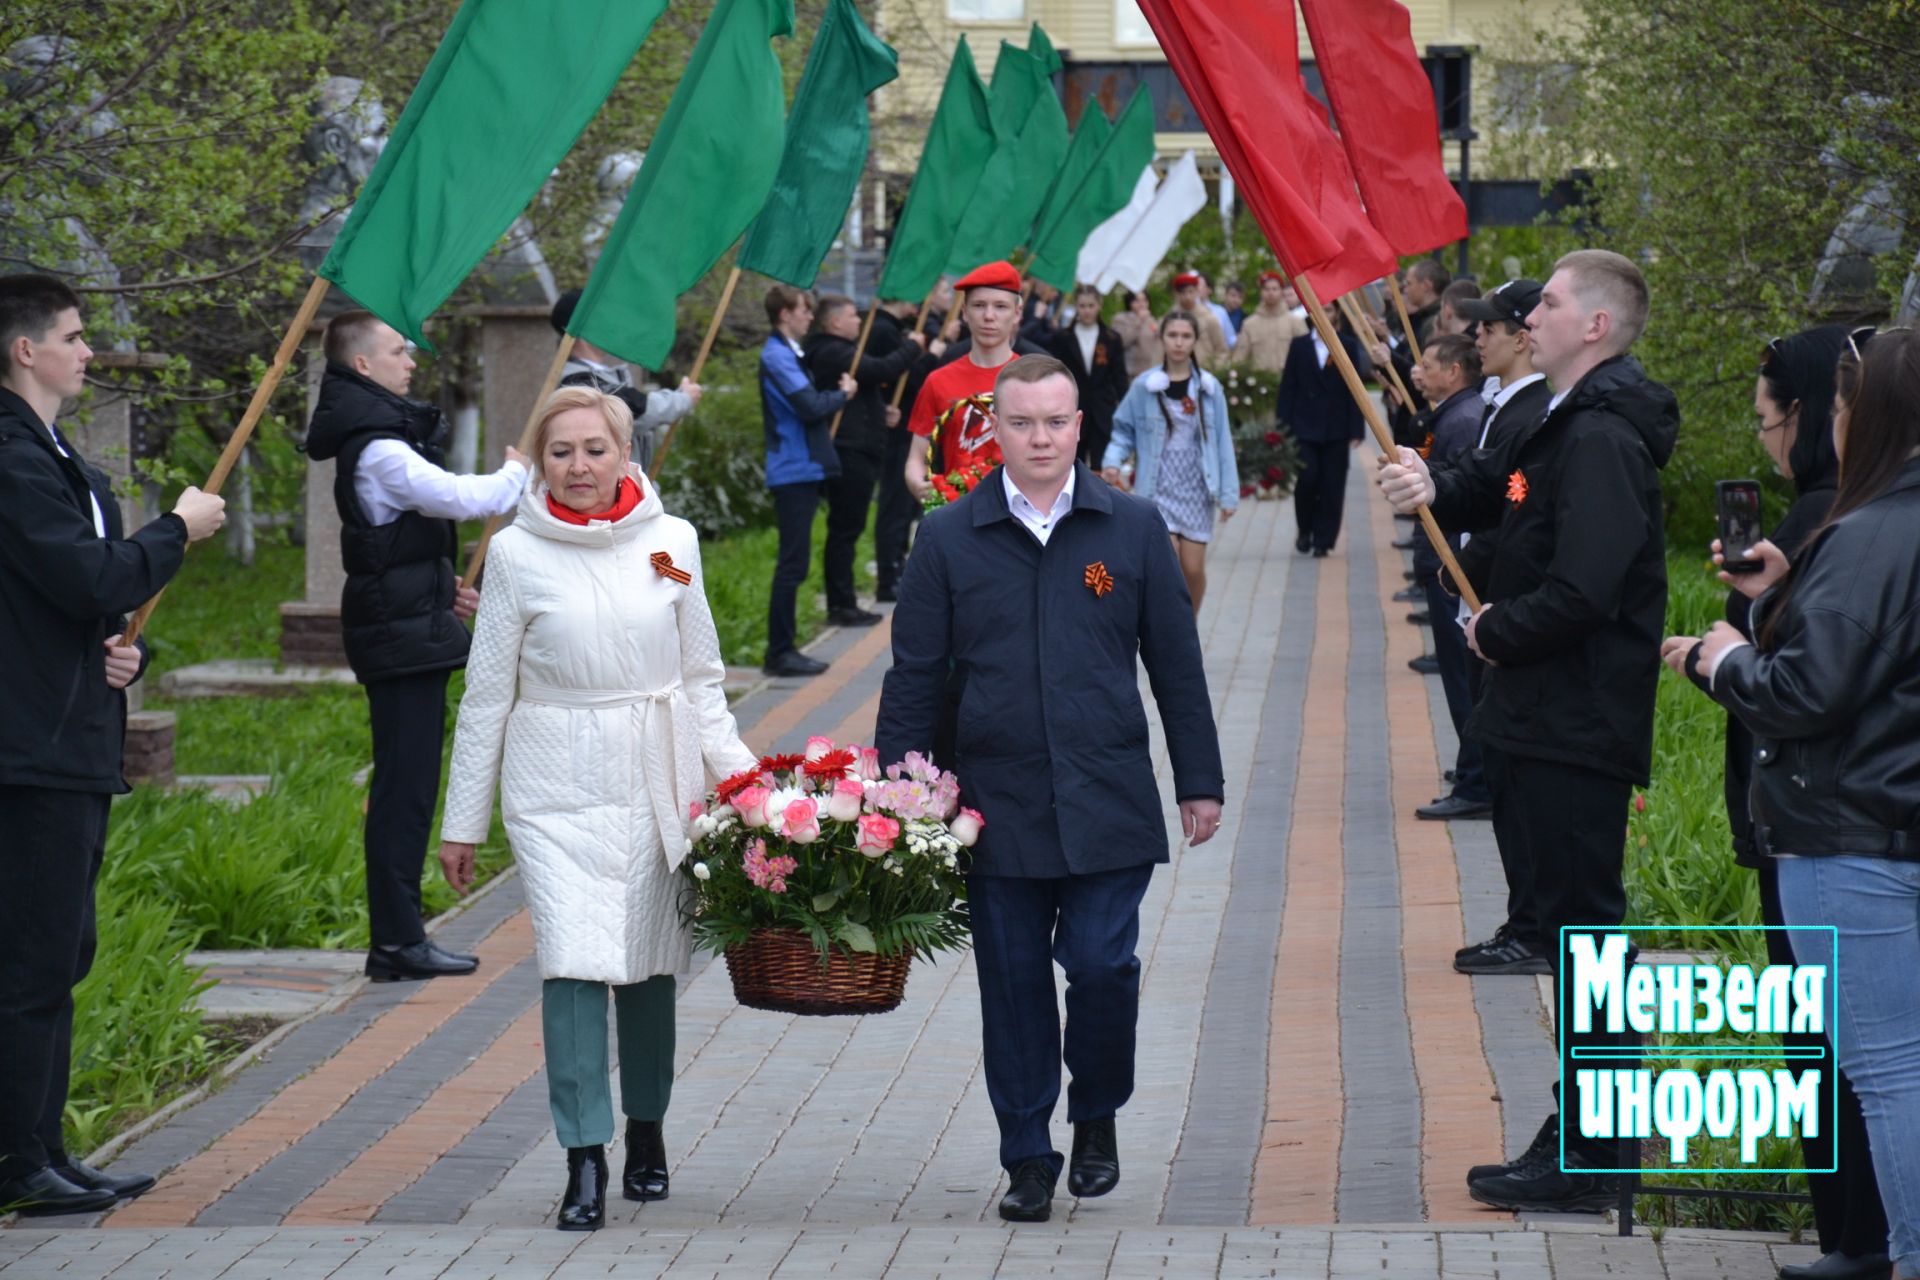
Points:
(1338, 353)
(256, 408)
(859, 349)
(547, 384)
(1350, 308)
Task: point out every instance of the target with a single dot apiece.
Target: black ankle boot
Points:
(645, 1177)
(584, 1207)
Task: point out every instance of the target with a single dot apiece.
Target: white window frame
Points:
(1130, 29)
(971, 11)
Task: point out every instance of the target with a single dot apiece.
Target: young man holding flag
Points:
(956, 401)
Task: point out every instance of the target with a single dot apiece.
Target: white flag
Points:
(1181, 196)
(1105, 240)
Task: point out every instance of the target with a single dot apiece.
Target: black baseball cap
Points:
(1513, 302)
(563, 310)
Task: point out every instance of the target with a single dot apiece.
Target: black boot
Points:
(645, 1177)
(584, 1207)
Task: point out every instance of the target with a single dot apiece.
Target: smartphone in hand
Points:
(1738, 504)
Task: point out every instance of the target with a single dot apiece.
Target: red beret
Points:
(1272, 275)
(994, 275)
(1186, 278)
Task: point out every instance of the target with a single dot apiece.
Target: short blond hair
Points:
(1606, 281)
(618, 417)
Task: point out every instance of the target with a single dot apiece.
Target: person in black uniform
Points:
(1319, 412)
(1097, 359)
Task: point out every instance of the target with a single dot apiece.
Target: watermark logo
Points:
(1683, 1050)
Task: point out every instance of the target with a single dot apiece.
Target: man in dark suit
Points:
(1097, 359)
(1319, 411)
(1033, 593)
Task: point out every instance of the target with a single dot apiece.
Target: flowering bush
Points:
(829, 844)
(1268, 457)
(954, 485)
(1251, 394)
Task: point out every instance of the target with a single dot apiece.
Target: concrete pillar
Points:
(310, 627)
(516, 349)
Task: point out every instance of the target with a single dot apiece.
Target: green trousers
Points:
(574, 1016)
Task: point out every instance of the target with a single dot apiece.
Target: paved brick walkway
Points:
(1313, 1077)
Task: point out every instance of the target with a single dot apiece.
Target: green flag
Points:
(503, 98)
(1089, 136)
(958, 146)
(1104, 192)
(707, 173)
(1042, 48)
(826, 149)
(1031, 144)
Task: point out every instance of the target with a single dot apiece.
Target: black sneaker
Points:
(1544, 1147)
(1515, 955)
(1500, 935)
(1540, 1187)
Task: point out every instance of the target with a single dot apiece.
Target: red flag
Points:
(1384, 101)
(1240, 66)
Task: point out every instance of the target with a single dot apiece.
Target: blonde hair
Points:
(1606, 281)
(618, 417)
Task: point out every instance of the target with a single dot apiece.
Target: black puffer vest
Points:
(397, 608)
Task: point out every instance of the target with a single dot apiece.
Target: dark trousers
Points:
(1457, 681)
(1089, 925)
(893, 523)
(1321, 491)
(1094, 435)
(49, 862)
(793, 508)
(1846, 1203)
(1571, 825)
(849, 498)
(409, 717)
(1523, 914)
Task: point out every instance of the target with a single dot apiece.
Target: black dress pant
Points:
(893, 523)
(793, 508)
(849, 498)
(1095, 433)
(1846, 1203)
(1523, 915)
(1458, 683)
(1321, 491)
(409, 715)
(1571, 825)
(51, 845)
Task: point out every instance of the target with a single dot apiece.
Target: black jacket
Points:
(63, 591)
(863, 426)
(1051, 742)
(1833, 702)
(1528, 406)
(1454, 424)
(396, 610)
(1102, 387)
(1577, 583)
(1315, 404)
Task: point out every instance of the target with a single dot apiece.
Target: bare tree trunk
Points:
(240, 539)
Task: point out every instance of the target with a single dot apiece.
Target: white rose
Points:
(843, 806)
(965, 827)
(700, 871)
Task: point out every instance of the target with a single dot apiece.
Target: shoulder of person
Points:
(676, 530)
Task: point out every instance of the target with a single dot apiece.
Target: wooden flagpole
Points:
(859, 349)
(547, 384)
(1406, 323)
(256, 409)
(1350, 307)
(1381, 436)
(699, 363)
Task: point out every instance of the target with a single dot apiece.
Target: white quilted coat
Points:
(594, 700)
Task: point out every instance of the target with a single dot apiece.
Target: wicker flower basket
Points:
(778, 969)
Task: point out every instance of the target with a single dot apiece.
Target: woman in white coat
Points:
(594, 700)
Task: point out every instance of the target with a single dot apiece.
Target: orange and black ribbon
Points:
(663, 565)
(1099, 579)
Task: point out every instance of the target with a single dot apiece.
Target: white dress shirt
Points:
(99, 516)
(1039, 524)
(1088, 335)
(392, 479)
(1320, 352)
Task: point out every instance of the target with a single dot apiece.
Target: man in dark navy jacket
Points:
(1319, 412)
(1024, 606)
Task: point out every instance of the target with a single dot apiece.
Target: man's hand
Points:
(918, 482)
(456, 861)
(918, 339)
(466, 603)
(848, 386)
(202, 513)
(938, 347)
(893, 415)
(692, 391)
(123, 662)
(1406, 482)
(1380, 355)
(514, 455)
(1199, 819)
(1112, 476)
(1473, 636)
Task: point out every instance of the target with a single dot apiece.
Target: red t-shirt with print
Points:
(955, 406)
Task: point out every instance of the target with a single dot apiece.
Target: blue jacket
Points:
(1050, 738)
(799, 450)
(1315, 404)
(1140, 430)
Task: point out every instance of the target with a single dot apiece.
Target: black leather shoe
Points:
(584, 1206)
(793, 663)
(1426, 664)
(1500, 935)
(1515, 955)
(1447, 777)
(852, 617)
(1454, 807)
(1405, 544)
(1841, 1266)
(1540, 1187)
(1030, 1198)
(419, 960)
(1420, 618)
(452, 957)
(645, 1177)
(1545, 1146)
(1095, 1167)
(1407, 595)
(124, 1185)
(1302, 545)
(1321, 553)
(43, 1193)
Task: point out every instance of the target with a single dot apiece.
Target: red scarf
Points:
(626, 496)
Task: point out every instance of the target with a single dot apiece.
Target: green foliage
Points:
(715, 472)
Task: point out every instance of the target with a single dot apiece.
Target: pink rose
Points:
(877, 834)
(695, 809)
(752, 804)
(868, 763)
(800, 821)
(966, 827)
(845, 802)
(818, 746)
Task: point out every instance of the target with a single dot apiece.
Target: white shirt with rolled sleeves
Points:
(391, 479)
